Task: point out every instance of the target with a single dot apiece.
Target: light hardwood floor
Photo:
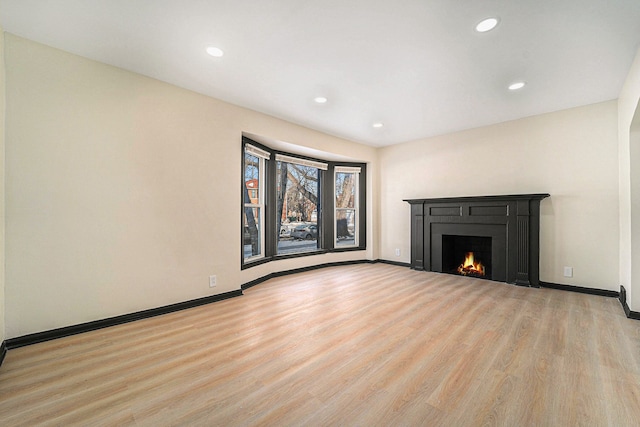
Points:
(355, 345)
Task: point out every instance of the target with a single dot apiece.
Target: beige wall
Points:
(629, 148)
(570, 154)
(2, 132)
(123, 192)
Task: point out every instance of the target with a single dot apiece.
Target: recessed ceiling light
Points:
(215, 51)
(378, 125)
(486, 25)
(320, 99)
(516, 85)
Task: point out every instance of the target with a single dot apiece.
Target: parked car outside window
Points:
(305, 231)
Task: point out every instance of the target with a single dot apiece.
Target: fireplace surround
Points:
(511, 223)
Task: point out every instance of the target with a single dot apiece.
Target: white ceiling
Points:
(418, 66)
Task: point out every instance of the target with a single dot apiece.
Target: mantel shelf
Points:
(463, 199)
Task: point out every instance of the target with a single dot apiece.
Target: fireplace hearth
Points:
(502, 232)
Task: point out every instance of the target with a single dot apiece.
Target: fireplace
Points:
(467, 256)
(502, 233)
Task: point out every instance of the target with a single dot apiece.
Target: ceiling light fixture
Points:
(320, 99)
(215, 51)
(486, 25)
(378, 125)
(516, 85)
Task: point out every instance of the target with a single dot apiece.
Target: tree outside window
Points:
(297, 207)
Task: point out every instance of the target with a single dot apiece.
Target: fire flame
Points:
(471, 266)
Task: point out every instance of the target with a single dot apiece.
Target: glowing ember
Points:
(471, 267)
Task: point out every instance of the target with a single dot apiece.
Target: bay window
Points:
(296, 206)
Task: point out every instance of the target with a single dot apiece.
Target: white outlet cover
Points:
(568, 272)
(212, 281)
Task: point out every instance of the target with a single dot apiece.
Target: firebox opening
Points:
(467, 255)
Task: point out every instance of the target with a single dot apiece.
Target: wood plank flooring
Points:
(355, 345)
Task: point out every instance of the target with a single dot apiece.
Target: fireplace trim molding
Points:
(519, 214)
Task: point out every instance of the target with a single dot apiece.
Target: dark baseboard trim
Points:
(3, 351)
(302, 270)
(112, 321)
(623, 300)
(126, 318)
(591, 291)
(316, 267)
(580, 289)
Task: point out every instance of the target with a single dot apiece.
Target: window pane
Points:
(345, 209)
(345, 190)
(345, 227)
(251, 177)
(252, 240)
(253, 215)
(297, 208)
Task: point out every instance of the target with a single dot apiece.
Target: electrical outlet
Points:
(397, 251)
(212, 281)
(568, 272)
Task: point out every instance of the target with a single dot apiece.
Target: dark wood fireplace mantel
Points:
(512, 221)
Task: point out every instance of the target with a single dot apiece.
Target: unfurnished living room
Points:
(414, 213)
